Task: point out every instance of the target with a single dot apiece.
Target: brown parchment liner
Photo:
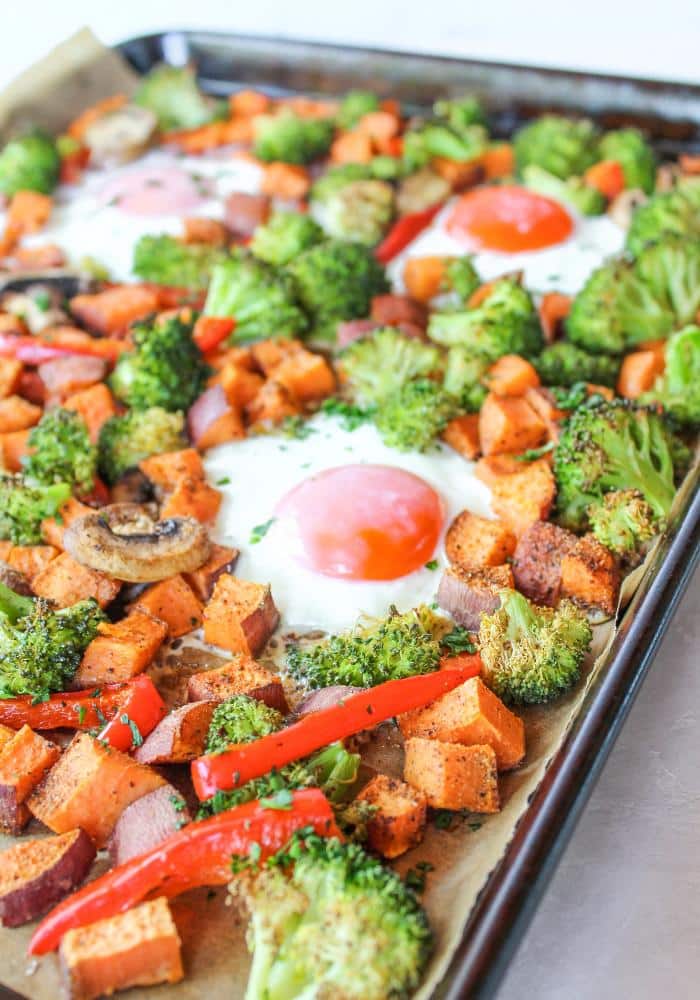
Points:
(77, 73)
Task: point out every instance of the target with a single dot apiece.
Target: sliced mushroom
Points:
(66, 282)
(123, 541)
(12, 578)
(121, 135)
(39, 305)
(133, 486)
(623, 207)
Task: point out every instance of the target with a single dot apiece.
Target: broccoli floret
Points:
(624, 303)
(29, 162)
(40, 648)
(291, 139)
(634, 154)
(165, 260)
(400, 646)
(415, 416)
(387, 168)
(359, 211)
(379, 365)
(172, 94)
(559, 145)
(166, 369)
(284, 236)
(612, 445)
(127, 439)
(436, 139)
(532, 655)
(623, 522)
(461, 277)
(259, 297)
(336, 281)
(336, 178)
(24, 505)
(678, 389)
(462, 379)
(460, 112)
(354, 105)
(61, 451)
(583, 198)
(669, 213)
(565, 364)
(240, 720)
(329, 920)
(505, 323)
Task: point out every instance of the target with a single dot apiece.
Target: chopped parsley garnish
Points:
(259, 531)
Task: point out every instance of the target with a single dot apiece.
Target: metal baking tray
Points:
(670, 112)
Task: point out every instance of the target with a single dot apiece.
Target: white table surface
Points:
(621, 917)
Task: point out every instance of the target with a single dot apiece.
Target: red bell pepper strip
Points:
(364, 710)
(404, 231)
(210, 331)
(138, 699)
(199, 854)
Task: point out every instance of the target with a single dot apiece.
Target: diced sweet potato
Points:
(227, 427)
(115, 309)
(462, 434)
(508, 424)
(268, 354)
(470, 714)
(66, 582)
(23, 761)
(121, 650)
(240, 385)
(285, 180)
(554, 308)
(392, 310)
(452, 776)
(241, 615)
(95, 405)
(307, 376)
(53, 529)
(590, 576)
(35, 874)
(10, 372)
(272, 404)
(221, 560)
(466, 594)
(240, 676)
(638, 373)
(523, 494)
(474, 541)
(146, 823)
(192, 498)
(351, 147)
(16, 414)
(90, 787)
(398, 822)
(174, 602)
(543, 403)
(537, 561)
(424, 277)
(166, 470)
(6, 734)
(138, 948)
(13, 447)
(179, 737)
(30, 559)
(511, 375)
(209, 231)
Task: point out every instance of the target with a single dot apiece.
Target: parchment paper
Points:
(75, 74)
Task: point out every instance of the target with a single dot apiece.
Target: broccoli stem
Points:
(13, 605)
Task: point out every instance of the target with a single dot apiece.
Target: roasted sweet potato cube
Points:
(537, 561)
(121, 650)
(221, 560)
(476, 541)
(509, 424)
(66, 582)
(492, 467)
(173, 602)
(470, 714)
(307, 376)
(268, 354)
(29, 560)
(114, 309)
(241, 615)
(272, 404)
(462, 434)
(192, 498)
(240, 676)
(24, 759)
(240, 385)
(166, 470)
(6, 734)
(398, 823)
(523, 497)
(543, 403)
(95, 405)
(13, 448)
(89, 787)
(179, 737)
(53, 529)
(16, 414)
(452, 776)
(138, 948)
(468, 593)
(590, 575)
(10, 372)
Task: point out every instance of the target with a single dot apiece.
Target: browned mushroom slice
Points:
(121, 135)
(15, 580)
(124, 542)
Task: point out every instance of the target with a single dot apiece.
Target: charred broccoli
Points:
(284, 236)
(172, 94)
(24, 505)
(61, 452)
(438, 139)
(565, 364)
(462, 379)
(240, 720)
(287, 137)
(40, 648)
(354, 105)
(460, 112)
(379, 365)
(561, 146)
(336, 281)
(329, 920)
(573, 191)
(461, 277)
(634, 154)
(29, 162)
(359, 211)
(623, 522)
(532, 655)
(165, 369)
(668, 213)
(261, 298)
(165, 260)
(506, 322)
(415, 416)
(678, 389)
(127, 439)
(612, 445)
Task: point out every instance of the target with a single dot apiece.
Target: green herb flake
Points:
(282, 800)
(136, 737)
(432, 565)
(259, 531)
(224, 481)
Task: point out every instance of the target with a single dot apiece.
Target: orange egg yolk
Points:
(362, 522)
(509, 219)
